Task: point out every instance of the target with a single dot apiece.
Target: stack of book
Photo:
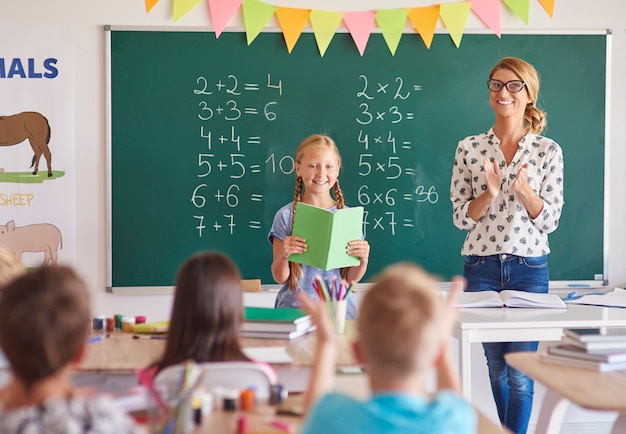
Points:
(590, 348)
(271, 323)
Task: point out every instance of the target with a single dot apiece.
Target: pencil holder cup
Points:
(338, 314)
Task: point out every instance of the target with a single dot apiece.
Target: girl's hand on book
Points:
(293, 244)
(360, 249)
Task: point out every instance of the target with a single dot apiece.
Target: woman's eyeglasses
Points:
(512, 86)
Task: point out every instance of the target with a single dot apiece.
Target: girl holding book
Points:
(317, 173)
(507, 193)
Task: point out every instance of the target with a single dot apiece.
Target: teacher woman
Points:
(507, 193)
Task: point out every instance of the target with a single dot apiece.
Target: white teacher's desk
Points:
(477, 325)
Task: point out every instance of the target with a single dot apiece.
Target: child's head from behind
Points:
(207, 311)
(10, 267)
(400, 322)
(44, 322)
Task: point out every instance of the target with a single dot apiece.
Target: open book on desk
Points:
(327, 235)
(510, 298)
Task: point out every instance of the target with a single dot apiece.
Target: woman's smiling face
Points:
(504, 102)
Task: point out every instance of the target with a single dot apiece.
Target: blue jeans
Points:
(512, 390)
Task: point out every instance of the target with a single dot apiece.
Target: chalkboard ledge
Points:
(555, 286)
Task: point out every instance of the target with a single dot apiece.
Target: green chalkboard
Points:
(203, 133)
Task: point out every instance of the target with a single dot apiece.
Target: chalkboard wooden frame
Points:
(467, 112)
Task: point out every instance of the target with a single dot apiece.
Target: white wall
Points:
(87, 18)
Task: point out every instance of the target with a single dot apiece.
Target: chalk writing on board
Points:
(382, 108)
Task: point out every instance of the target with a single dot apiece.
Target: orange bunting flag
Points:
(548, 5)
(391, 24)
(519, 8)
(425, 22)
(454, 17)
(150, 4)
(221, 12)
(324, 25)
(255, 15)
(292, 22)
(360, 25)
(489, 13)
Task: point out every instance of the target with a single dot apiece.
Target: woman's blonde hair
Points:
(534, 118)
(295, 270)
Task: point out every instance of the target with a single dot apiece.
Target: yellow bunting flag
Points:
(391, 23)
(181, 7)
(454, 17)
(519, 8)
(425, 22)
(292, 22)
(325, 24)
(150, 4)
(548, 5)
(255, 15)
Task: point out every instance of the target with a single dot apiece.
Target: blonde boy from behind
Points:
(403, 329)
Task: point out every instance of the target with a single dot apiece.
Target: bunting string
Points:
(391, 22)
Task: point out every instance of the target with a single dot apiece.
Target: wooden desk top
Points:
(121, 353)
(586, 388)
(222, 422)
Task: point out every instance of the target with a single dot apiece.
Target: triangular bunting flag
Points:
(150, 4)
(489, 13)
(292, 22)
(181, 7)
(221, 13)
(548, 5)
(425, 22)
(324, 25)
(519, 8)
(454, 17)
(255, 15)
(360, 24)
(391, 23)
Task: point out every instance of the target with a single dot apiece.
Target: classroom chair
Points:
(229, 375)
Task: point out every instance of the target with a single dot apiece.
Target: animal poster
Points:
(37, 144)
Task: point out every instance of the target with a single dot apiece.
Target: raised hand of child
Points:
(320, 316)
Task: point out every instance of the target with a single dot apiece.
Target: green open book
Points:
(327, 235)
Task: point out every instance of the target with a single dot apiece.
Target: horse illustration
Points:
(33, 126)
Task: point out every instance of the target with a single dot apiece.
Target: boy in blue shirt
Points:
(403, 328)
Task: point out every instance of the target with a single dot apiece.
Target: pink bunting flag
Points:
(360, 25)
(489, 13)
(221, 13)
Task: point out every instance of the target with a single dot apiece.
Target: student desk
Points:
(223, 422)
(120, 354)
(522, 324)
(588, 389)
